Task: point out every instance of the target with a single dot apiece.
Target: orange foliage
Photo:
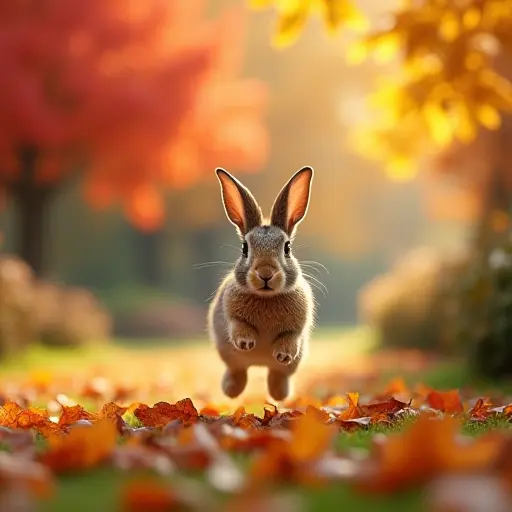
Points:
(282, 446)
(135, 97)
(427, 449)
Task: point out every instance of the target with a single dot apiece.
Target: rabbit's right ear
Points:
(241, 207)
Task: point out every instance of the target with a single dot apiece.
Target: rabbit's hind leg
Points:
(234, 381)
(278, 384)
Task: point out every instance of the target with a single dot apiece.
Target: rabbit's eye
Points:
(287, 249)
(245, 249)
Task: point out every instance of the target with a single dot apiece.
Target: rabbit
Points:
(263, 311)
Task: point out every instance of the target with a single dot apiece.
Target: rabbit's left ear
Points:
(291, 204)
(241, 207)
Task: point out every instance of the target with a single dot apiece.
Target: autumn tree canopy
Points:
(131, 97)
(444, 98)
(448, 85)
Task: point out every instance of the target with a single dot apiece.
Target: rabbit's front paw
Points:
(283, 356)
(286, 350)
(244, 344)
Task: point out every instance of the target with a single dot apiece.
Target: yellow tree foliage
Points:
(448, 86)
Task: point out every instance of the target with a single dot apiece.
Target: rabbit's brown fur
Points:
(263, 311)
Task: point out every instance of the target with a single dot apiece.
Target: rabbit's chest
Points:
(272, 316)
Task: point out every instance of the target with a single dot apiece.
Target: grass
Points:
(101, 490)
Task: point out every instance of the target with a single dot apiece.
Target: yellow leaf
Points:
(387, 46)
(290, 23)
(401, 168)
(465, 124)
(260, 4)
(488, 116)
(449, 26)
(471, 18)
(343, 12)
(438, 123)
(501, 88)
(356, 53)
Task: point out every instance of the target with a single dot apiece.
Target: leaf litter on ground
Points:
(224, 459)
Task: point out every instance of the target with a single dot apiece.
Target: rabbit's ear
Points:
(291, 204)
(241, 207)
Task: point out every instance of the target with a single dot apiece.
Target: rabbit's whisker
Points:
(310, 267)
(312, 262)
(207, 264)
(316, 283)
(232, 247)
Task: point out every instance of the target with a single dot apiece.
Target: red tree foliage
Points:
(130, 96)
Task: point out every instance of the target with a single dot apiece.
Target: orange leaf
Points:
(73, 414)
(310, 435)
(247, 421)
(428, 448)
(114, 413)
(150, 496)
(445, 401)
(13, 416)
(352, 411)
(481, 410)
(391, 406)
(84, 447)
(163, 412)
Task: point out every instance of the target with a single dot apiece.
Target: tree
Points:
(447, 96)
(128, 97)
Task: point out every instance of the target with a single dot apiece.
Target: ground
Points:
(340, 362)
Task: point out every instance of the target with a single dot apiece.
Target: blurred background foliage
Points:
(113, 119)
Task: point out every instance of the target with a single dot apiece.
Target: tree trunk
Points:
(31, 209)
(31, 203)
(147, 248)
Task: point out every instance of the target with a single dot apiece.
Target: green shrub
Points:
(411, 305)
(485, 320)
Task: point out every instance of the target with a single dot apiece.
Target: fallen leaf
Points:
(130, 457)
(425, 450)
(114, 413)
(30, 475)
(389, 407)
(467, 493)
(243, 420)
(13, 416)
(481, 410)
(162, 413)
(445, 401)
(83, 448)
(311, 437)
(150, 496)
(352, 410)
(73, 414)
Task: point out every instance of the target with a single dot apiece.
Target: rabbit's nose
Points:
(265, 273)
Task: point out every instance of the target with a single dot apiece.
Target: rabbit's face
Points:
(267, 266)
